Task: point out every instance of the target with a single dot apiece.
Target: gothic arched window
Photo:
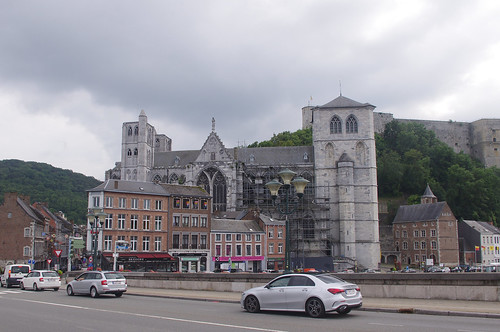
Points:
(157, 178)
(130, 131)
(136, 130)
(351, 125)
(335, 125)
(173, 178)
(129, 152)
(212, 180)
(136, 152)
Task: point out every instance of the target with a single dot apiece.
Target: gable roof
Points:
(235, 226)
(150, 188)
(419, 212)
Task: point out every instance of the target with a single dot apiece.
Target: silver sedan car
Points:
(95, 283)
(314, 294)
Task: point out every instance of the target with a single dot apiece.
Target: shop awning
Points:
(141, 255)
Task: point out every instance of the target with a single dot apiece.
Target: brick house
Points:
(479, 242)
(18, 242)
(166, 226)
(426, 231)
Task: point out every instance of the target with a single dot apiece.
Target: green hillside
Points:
(62, 189)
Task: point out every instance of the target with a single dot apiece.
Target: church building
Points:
(335, 224)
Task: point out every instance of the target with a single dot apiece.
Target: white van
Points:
(13, 274)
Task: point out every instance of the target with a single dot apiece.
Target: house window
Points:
(415, 233)
(175, 241)
(422, 233)
(109, 202)
(248, 251)
(257, 237)
(203, 222)
(145, 223)
(238, 250)
(335, 125)
(96, 201)
(134, 203)
(433, 233)
(218, 237)
(194, 241)
(416, 245)
(196, 204)
(185, 221)
(405, 234)
(133, 221)
(158, 204)
(177, 203)
(145, 243)
(405, 245)
(423, 245)
(177, 220)
(417, 258)
(351, 125)
(157, 243)
(280, 233)
(280, 248)
(397, 234)
(27, 251)
(218, 250)
(271, 233)
(248, 237)
(434, 245)
(147, 204)
(133, 243)
(186, 203)
(203, 242)
(122, 202)
(185, 241)
(228, 238)
(108, 222)
(271, 248)
(121, 221)
(157, 223)
(27, 231)
(204, 204)
(238, 237)
(194, 221)
(258, 250)
(228, 250)
(107, 243)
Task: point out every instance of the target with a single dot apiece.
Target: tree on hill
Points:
(62, 189)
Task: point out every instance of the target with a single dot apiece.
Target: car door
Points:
(79, 284)
(273, 294)
(297, 292)
(28, 280)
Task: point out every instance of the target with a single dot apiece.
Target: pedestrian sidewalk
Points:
(417, 306)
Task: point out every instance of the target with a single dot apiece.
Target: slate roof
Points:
(419, 212)
(252, 156)
(344, 102)
(33, 213)
(428, 192)
(270, 221)
(150, 188)
(235, 226)
(482, 227)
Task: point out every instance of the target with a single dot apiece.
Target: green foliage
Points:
(63, 190)
(301, 137)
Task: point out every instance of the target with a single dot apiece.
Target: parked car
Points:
(314, 294)
(41, 279)
(95, 283)
(434, 269)
(13, 274)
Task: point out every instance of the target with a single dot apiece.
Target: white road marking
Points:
(152, 316)
(391, 325)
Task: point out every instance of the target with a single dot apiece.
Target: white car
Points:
(41, 279)
(314, 294)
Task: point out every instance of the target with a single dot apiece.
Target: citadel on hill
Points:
(337, 220)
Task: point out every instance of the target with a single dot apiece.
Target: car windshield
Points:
(20, 269)
(50, 274)
(328, 279)
(114, 276)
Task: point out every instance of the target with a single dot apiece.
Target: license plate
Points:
(350, 292)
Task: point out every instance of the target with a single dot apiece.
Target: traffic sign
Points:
(49, 261)
(58, 252)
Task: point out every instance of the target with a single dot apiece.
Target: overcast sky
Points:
(71, 72)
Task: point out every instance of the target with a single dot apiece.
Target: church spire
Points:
(213, 125)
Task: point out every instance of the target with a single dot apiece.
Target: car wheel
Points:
(93, 292)
(252, 304)
(315, 308)
(118, 294)
(344, 311)
(56, 289)
(69, 291)
(35, 287)
(21, 285)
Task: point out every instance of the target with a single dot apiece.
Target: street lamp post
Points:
(95, 225)
(289, 205)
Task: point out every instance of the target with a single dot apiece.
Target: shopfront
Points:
(238, 263)
(191, 262)
(144, 262)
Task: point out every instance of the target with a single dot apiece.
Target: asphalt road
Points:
(55, 311)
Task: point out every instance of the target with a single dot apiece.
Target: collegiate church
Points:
(336, 222)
